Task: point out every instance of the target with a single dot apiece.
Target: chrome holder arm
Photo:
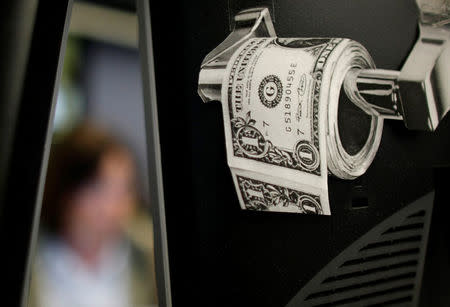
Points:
(249, 23)
(419, 93)
(375, 91)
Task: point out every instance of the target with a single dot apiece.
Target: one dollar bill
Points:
(274, 103)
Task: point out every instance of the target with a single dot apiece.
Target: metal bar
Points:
(154, 155)
(375, 91)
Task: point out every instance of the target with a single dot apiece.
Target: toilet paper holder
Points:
(418, 94)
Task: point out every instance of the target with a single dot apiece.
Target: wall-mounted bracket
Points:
(419, 93)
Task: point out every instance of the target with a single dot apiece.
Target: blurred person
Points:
(85, 258)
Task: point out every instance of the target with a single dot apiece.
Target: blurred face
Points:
(98, 210)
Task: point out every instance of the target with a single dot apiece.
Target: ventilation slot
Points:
(413, 239)
(402, 277)
(418, 214)
(401, 300)
(406, 252)
(374, 296)
(405, 266)
(404, 228)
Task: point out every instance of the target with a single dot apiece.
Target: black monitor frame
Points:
(37, 49)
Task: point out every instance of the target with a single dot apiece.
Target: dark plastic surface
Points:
(223, 256)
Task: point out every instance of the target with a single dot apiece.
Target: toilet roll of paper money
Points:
(280, 99)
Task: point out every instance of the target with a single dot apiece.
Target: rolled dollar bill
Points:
(280, 99)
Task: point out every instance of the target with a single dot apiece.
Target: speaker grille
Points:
(382, 268)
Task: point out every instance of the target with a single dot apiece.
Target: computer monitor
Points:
(371, 250)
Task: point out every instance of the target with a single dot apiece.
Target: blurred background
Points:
(98, 168)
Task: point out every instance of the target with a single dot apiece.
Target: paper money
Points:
(280, 99)
(275, 115)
